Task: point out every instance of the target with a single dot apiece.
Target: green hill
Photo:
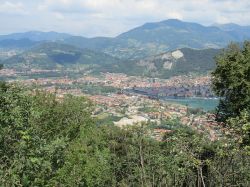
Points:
(178, 62)
(52, 55)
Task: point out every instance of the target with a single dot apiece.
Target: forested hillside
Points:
(178, 62)
(54, 55)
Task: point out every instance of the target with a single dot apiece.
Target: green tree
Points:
(15, 132)
(42, 138)
(231, 80)
(194, 160)
(240, 129)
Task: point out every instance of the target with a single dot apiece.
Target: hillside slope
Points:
(52, 55)
(154, 38)
(179, 62)
(22, 44)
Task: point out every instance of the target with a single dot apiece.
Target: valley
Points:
(140, 93)
(141, 75)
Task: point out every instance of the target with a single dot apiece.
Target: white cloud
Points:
(8, 7)
(111, 17)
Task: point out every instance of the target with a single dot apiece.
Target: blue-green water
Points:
(204, 103)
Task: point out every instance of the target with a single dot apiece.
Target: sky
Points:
(92, 18)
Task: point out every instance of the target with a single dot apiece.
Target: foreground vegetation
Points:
(46, 142)
(49, 142)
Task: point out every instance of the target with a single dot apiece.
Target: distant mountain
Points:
(22, 43)
(36, 36)
(149, 39)
(178, 62)
(240, 33)
(174, 34)
(154, 38)
(53, 55)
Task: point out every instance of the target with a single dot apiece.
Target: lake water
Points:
(204, 103)
(193, 102)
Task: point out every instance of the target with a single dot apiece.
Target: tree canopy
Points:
(45, 141)
(231, 80)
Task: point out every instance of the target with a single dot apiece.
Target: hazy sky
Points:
(111, 17)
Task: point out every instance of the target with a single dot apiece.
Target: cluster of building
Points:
(7, 73)
(171, 91)
(47, 81)
(129, 109)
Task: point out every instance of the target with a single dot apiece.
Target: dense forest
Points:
(46, 141)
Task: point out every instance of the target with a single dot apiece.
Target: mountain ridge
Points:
(36, 36)
(151, 38)
(157, 37)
